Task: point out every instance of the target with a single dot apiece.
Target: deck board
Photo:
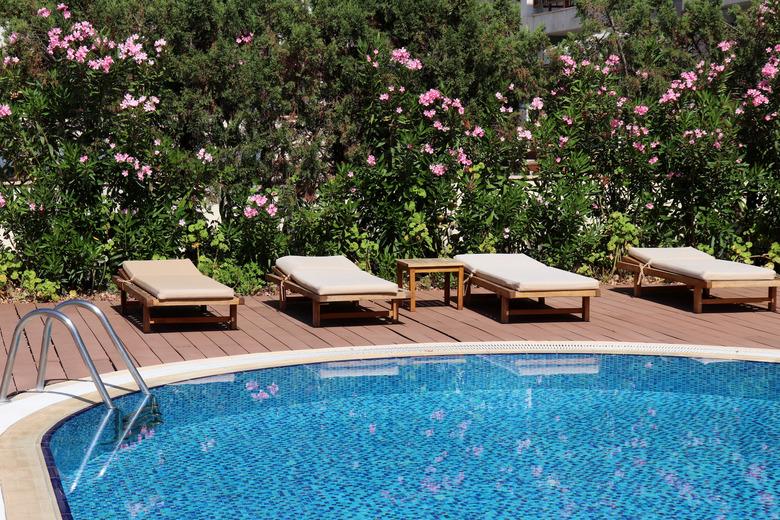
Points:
(661, 315)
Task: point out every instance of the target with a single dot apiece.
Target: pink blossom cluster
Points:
(10, 61)
(461, 157)
(103, 63)
(568, 120)
(428, 98)
(477, 131)
(149, 104)
(79, 33)
(373, 59)
(726, 45)
(441, 127)
(245, 39)
(429, 113)
(447, 103)
(371, 160)
(641, 110)
(569, 64)
(63, 8)
(404, 57)
(5, 111)
(438, 169)
(132, 49)
(2, 201)
(159, 45)
(251, 210)
(142, 171)
(44, 12)
(523, 134)
(537, 104)
(427, 148)
(204, 156)
(693, 135)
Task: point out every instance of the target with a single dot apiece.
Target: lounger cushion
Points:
(661, 254)
(689, 261)
(174, 280)
(523, 273)
(333, 275)
(339, 281)
(290, 264)
(712, 270)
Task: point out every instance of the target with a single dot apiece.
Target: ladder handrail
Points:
(59, 316)
(109, 329)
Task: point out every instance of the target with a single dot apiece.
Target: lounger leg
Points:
(234, 317)
(637, 285)
(504, 318)
(394, 310)
(460, 288)
(467, 289)
(773, 299)
(147, 326)
(586, 308)
(697, 297)
(541, 300)
(123, 302)
(706, 293)
(315, 313)
(447, 288)
(282, 297)
(412, 290)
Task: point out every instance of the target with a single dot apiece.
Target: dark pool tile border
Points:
(51, 467)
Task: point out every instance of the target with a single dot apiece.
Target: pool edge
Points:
(25, 482)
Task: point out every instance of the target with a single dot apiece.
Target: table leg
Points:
(399, 276)
(460, 288)
(412, 290)
(447, 288)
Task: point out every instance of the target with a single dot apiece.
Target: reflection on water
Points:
(499, 436)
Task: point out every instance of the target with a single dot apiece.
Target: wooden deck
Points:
(662, 315)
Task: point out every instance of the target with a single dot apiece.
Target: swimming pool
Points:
(488, 436)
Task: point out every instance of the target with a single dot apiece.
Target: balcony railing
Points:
(550, 5)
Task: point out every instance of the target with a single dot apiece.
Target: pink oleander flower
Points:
(726, 45)
(398, 110)
(477, 131)
(273, 388)
(250, 212)
(5, 111)
(438, 169)
(251, 386)
(83, 159)
(10, 60)
(43, 12)
(537, 104)
(12, 38)
(245, 39)
(429, 113)
(649, 205)
(258, 199)
(440, 127)
(271, 209)
(427, 148)
(641, 110)
(102, 63)
(562, 140)
(384, 96)
(427, 98)
(523, 134)
(568, 120)
(769, 70)
(159, 45)
(404, 57)
(2, 201)
(204, 156)
(613, 60)
(371, 160)
(652, 160)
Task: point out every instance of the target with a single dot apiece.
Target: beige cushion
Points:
(333, 275)
(523, 273)
(661, 254)
(711, 270)
(340, 281)
(290, 264)
(135, 268)
(175, 280)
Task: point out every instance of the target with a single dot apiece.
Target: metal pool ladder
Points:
(57, 314)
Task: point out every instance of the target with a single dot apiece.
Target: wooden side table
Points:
(415, 266)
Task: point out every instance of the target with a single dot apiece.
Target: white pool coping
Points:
(27, 404)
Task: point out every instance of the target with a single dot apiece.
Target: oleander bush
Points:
(233, 132)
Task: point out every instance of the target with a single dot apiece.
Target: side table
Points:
(415, 266)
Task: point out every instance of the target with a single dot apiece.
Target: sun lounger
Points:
(328, 279)
(513, 276)
(701, 272)
(173, 283)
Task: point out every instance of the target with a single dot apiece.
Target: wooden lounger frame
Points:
(507, 294)
(701, 288)
(285, 284)
(148, 302)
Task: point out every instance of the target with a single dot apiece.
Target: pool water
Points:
(496, 436)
